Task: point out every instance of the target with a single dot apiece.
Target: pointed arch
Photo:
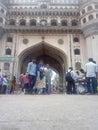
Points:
(33, 22)
(8, 51)
(53, 22)
(53, 56)
(12, 22)
(22, 22)
(64, 22)
(74, 22)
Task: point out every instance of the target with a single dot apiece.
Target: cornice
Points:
(40, 29)
(43, 13)
(42, 9)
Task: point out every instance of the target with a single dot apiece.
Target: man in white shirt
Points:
(91, 70)
(4, 84)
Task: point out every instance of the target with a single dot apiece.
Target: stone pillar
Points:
(92, 47)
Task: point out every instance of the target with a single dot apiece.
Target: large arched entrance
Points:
(50, 54)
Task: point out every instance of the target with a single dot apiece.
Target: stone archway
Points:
(50, 54)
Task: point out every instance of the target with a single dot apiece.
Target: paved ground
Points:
(49, 112)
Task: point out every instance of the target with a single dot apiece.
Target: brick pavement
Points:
(49, 112)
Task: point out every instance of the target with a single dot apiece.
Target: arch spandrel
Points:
(42, 47)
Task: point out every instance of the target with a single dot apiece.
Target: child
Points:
(25, 80)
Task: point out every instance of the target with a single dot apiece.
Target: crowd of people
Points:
(6, 85)
(37, 78)
(83, 81)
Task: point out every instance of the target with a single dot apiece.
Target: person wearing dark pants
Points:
(91, 71)
(70, 78)
(91, 85)
(32, 80)
(25, 81)
(71, 87)
(4, 85)
(31, 71)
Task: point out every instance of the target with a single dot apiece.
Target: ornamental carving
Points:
(25, 41)
(60, 41)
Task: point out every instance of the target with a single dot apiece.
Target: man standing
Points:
(4, 84)
(91, 70)
(32, 71)
(70, 78)
(48, 75)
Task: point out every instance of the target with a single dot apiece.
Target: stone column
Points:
(92, 47)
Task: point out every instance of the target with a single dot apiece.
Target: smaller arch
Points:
(43, 22)
(9, 39)
(33, 22)
(64, 22)
(6, 66)
(91, 17)
(68, 14)
(22, 22)
(12, 22)
(2, 10)
(89, 8)
(1, 20)
(78, 13)
(75, 39)
(74, 22)
(53, 22)
(83, 11)
(84, 20)
(8, 51)
(77, 51)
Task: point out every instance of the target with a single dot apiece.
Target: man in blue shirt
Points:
(32, 71)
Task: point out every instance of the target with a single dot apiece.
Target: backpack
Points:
(69, 77)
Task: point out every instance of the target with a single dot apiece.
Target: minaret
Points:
(89, 26)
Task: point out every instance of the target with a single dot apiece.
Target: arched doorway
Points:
(50, 54)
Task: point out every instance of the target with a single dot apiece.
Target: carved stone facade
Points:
(63, 33)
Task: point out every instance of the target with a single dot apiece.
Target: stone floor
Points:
(49, 112)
